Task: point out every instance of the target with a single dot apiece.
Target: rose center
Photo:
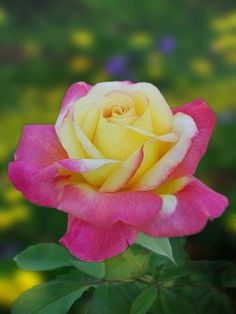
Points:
(116, 111)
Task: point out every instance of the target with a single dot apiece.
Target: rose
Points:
(119, 162)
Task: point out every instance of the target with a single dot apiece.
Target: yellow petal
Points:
(153, 151)
(98, 176)
(124, 173)
(161, 114)
(65, 132)
(145, 121)
(186, 128)
(115, 141)
(172, 186)
(90, 122)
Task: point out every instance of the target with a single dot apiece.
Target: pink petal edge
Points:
(204, 118)
(94, 244)
(196, 203)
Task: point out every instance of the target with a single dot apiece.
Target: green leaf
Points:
(117, 268)
(157, 245)
(113, 298)
(175, 303)
(93, 269)
(56, 296)
(173, 272)
(43, 256)
(144, 301)
(214, 302)
(229, 277)
(48, 256)
(178, 249)
(206, 272)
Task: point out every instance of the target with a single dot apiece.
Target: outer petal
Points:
(74, 92)
(94, 244)
(186, 212)
(105, 209)
(33, 171)
(205, 119)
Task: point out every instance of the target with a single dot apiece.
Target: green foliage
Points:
(144, 301)
(138, 281)
(56, 296)
(43, 256)
(49, 256)
(113, 298)
(160, 246)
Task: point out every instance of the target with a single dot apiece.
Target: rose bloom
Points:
(119, 161)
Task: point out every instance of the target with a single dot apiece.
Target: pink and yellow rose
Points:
(119, 161)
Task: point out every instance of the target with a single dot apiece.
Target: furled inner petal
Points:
(68, 138)
(115, 141)
(124, 173)
(162, 117)
(186, 128)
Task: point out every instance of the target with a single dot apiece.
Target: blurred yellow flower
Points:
(154, 66)
(224, 42)
(100, 76)
(9, 217)
(230, 57)
(224, 23)
(12, 195)
(82, 38)
(20, 281)
(201, 66)
(231, 223)
(140, 40)
(3, 16)
(3, 151)
(79, 64)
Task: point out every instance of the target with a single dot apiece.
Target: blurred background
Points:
(187, 48)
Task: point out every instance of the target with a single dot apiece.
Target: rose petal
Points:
(93, 244)
(115, 141)
(124, 173)
(85, 165)
(185, 127)
(33, 171)
(186, 212)
(205, 119)
(73, 93)
(104, 209)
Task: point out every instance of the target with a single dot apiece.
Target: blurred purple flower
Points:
(116, 65)
(167, 45)
(8, 250)
(226, 117)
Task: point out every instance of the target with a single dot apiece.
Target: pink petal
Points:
(73, 93)
(91, 243)
(205, 119)
(104, 209)
(33, 171)
(39, 146)
(186, 212)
